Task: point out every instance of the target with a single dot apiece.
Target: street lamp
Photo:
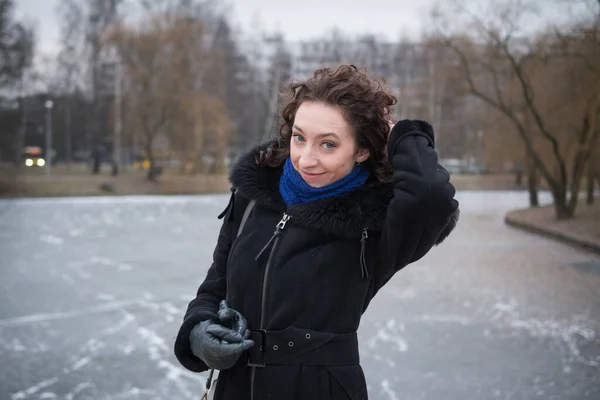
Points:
(48, 104)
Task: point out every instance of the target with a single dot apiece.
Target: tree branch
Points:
(529, 101)
(504, 109)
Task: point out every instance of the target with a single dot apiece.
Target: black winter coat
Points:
(315, 275)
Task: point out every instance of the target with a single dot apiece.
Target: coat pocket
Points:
(347, 382)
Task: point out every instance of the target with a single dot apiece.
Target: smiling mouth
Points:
(311, 175)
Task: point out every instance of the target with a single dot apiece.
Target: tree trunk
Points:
(197, 166)
(96, 160)
(21, 136)
(68, 132)
(151, 175)
(152, 170)
(115, 169)
(532, 182)
(561, 208)
(533, 192)
(519, 178)
(590, 187)
(221, 151)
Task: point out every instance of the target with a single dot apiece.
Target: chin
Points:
(314, 181)
(320, 183)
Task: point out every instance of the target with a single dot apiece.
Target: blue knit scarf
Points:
(295, 190)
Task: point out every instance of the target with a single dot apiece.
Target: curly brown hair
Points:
(361, 99)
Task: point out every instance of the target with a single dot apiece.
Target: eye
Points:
(298, 137)
(329, 145)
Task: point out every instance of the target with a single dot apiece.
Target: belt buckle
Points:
(262, 343)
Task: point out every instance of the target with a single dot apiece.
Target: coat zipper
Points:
(363, 255)
(275, 240)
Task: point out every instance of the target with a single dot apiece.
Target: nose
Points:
(307, 160)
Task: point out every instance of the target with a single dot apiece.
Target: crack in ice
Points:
(23, 394)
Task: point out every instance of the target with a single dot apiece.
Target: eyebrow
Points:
(320, 134)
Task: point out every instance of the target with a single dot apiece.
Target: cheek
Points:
(294, 154)
(341, 166)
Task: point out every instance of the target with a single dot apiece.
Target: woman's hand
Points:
(232, 319)
(220, 344)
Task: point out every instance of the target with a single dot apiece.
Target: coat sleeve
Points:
(423, 211)
(212, 290)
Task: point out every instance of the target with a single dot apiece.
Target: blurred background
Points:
(180, 88)
(102, 101)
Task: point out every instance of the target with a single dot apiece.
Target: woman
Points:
(341, 205)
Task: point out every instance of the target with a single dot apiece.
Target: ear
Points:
(362, 155)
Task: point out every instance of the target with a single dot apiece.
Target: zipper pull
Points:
(278, 228)
(363, 260)
(283, 221)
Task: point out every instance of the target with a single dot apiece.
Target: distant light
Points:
(48, 104)
(41, 162)
(29, 162)
(33, 150)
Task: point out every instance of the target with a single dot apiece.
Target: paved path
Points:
(92, 292)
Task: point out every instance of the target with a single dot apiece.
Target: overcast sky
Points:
(305, 19)
(296, 19)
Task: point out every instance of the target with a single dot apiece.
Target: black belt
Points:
(302, 346)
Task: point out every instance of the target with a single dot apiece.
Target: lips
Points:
(310, 176)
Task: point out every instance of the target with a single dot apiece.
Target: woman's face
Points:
(323, 149)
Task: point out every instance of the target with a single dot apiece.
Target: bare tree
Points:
(280, 76)
(403, 63)
(70, 60)
(16, 55)
(144, 65)
(102, 16)
(500, 57)
(240, 83)
(166, 60)
(582, 45)
(16, 45)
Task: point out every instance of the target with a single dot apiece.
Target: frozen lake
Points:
(92, 292)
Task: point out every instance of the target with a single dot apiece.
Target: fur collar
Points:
(345, 215)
